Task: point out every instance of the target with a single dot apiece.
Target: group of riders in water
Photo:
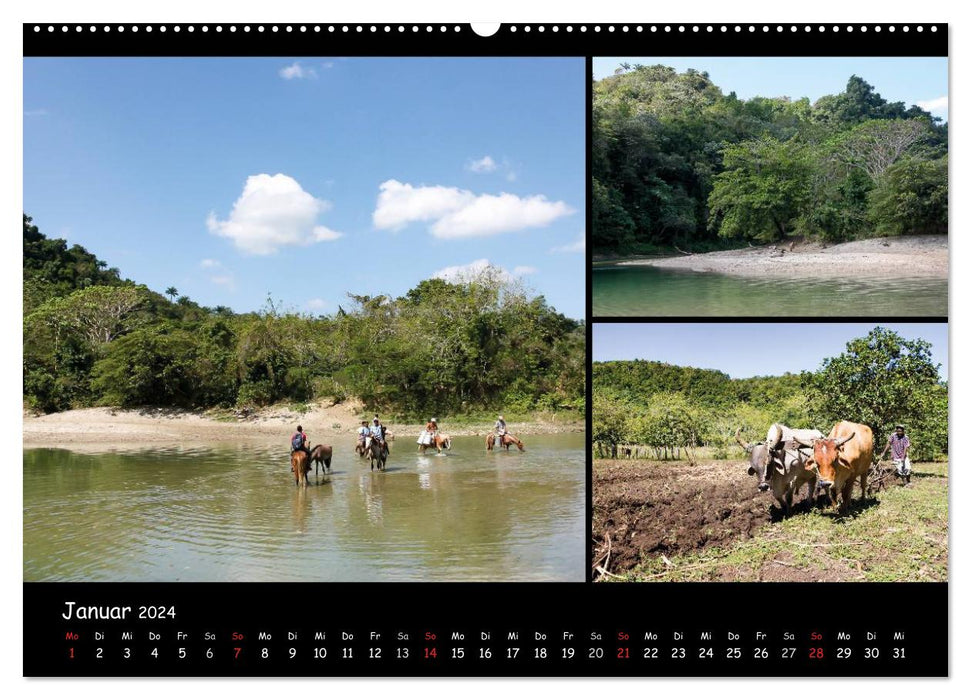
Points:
(372, 444)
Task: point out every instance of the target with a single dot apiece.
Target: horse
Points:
(300, 466)
(439, 442)
(320, 456)
(506, 441)
(377, 451)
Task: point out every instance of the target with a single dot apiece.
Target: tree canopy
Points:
(678, 163)
(485, 343)
(879, 380)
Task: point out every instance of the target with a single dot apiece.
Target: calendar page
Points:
(391, 350)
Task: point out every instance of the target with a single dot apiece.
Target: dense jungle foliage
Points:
(879, 380)
(93, 338)
(678, 164)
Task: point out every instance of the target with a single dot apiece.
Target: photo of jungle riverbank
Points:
(719, 187)
(403, 298)
(679, 493)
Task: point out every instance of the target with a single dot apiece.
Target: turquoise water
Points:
(626, 290)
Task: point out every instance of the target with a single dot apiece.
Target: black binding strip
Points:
(289, 39)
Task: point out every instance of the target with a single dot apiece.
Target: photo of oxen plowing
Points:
(770, 452)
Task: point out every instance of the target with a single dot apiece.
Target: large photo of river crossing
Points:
(304, 319)
(800, 187)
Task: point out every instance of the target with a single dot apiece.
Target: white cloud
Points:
(400, 203)
(273, 212)
(298, 72)
(224, 281)
(328, 64)
(481, 268)
(483, 165)
(474, 270)
(578, 246)
(317, 304)
(209, 262)
(461, 213)
(36, 112)
(511, 176)
(938, 105)
(492, 214)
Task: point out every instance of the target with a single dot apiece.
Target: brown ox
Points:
(320, 456)
(842, 457)
(300, 466)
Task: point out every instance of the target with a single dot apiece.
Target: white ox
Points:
(779, 463)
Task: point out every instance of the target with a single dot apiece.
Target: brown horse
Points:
(300, 466)
(506, 441)
(376, 451)
(320, 456)
(439, 442)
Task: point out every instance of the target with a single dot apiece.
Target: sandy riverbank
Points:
(878, 258)
(99, 429)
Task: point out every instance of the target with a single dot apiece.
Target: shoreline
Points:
(923, 257)
(114, 429)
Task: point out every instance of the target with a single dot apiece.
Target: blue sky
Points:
(911, 80)
(740, 350)
(307, 178)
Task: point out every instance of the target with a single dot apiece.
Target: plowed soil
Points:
(671, 521)
(648, 509)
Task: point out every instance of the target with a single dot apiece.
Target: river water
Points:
(643, 290)
(235, 514)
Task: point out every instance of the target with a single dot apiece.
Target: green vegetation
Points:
(92, 338)
(879, 380)
(678, 164)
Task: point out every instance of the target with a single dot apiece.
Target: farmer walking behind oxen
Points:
(899, 446)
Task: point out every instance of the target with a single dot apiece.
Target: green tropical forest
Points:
(679, 165)
(92, 338)
(879, 380)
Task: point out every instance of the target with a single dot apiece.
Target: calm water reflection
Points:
(650, 291)
(235, 515)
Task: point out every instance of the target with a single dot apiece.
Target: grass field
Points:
(670, 521)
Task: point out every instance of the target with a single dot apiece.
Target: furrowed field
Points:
(671, 521)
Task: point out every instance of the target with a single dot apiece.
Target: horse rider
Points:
(427, 437)
(299, 441)
(500, 429)
(362, 434)
(377, 432)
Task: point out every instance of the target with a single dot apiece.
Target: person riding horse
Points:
(299, 441)
(362, 434)
(377, 432)
(427, 437)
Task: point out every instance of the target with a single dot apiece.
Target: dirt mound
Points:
(651, 509)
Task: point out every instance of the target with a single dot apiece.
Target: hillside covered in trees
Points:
(679, 164)
(879, 380)
(93, 338)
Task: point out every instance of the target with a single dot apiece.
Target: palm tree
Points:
(172, 292)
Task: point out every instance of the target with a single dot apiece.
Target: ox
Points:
(780, 465)
(842, 457)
